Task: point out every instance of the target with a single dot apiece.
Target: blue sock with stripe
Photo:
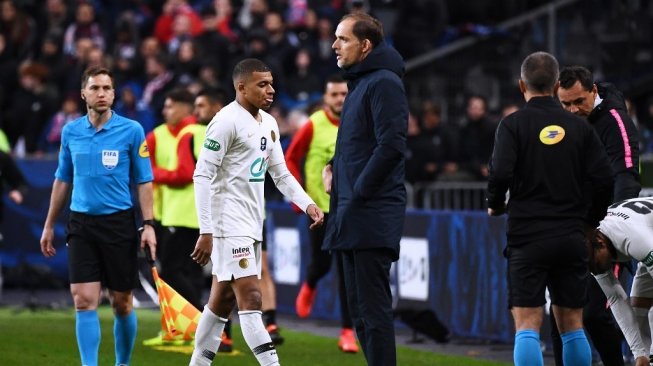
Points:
(575, 348)
(87, 328)
(527, 349)
(124, 334)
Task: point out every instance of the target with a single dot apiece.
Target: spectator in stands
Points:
(32, 106)
(432, 151)
(160, 80)
(547, 158)
(225, 22)
(69, 112)
(127, 105)
(302, 86)
(18, 29)
(324, 58)
(54, 18)
(252, 14)
(84, 26)
(52, 55)
(125, 50)
(164, 29)
(604, 108)
(187, 62)
(476, 139)
(216, 48)
(282, 45)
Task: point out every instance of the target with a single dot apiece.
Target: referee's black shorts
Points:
(559, 263)
(103, 248)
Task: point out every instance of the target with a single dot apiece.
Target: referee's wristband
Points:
(149, 222)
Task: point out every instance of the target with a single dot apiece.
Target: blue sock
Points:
(87, 328)
(575, 348)
(124, 334)
(527, 348)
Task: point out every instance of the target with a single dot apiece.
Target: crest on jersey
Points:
(552, 134)
(143, 151)
(273, 135)
(243, 263)
(110, 159)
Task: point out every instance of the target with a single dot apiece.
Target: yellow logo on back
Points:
(551, 135)
(143, 151)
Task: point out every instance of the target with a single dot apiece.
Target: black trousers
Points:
(599, 324)
(178, 269)
(321, 265)
(367, 279)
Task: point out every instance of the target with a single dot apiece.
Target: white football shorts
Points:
(642, 282)
(236, 257)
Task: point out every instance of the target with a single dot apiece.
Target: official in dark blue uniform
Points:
(101, 155)
(368, 197)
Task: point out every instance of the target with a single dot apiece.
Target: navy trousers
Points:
(367, 280)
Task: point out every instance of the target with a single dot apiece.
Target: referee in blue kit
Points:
(101, 154)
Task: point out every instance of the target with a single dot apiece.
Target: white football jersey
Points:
(237, 152)
(629, 225)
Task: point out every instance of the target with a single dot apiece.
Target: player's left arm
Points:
(141, 174)
(623, 313)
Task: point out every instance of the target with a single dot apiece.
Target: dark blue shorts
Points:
(559, 263)
(103, 248)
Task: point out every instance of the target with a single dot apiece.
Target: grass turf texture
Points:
(48, 338)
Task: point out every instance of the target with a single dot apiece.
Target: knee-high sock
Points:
(257, 337)
(575, 348)
(207, 338)
(527, 348)
(642, 319)
(124, 334)
(87, 328)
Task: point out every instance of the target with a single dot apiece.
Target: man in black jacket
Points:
(605, 109)
(368, 197)
(545, 156)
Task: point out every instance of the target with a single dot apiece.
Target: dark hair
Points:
(214, 95)
(539, 71)
(336, 78)
(249, 66)
(181, 95)
(366, 27)
(569, 75)
(95, 71)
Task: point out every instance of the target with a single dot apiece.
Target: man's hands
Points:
(316, 215)
(203, 247)
(496, 211)
(326, 177)
(47, 237)
(149, 238)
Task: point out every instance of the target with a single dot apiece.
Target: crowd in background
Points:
(155, 45)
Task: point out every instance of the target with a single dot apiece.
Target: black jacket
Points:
(620, 137)
(368, 197)
(547, 169)
(10, 176)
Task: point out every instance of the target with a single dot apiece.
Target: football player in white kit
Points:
(241, 145)
(627, 233)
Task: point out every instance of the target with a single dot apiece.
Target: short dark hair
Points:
(249, 66)
(95, 71)
(336, 78)
(181, 95)
(366, 27)
(539, 71)
(569, 75)
(214, 95)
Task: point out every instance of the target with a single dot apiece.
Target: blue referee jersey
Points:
(102, 164)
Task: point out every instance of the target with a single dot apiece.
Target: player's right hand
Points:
(203, 247)
(47, 237)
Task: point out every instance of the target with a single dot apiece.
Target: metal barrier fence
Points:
(449, 195)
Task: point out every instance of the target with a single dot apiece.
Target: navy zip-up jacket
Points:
(368, 196)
